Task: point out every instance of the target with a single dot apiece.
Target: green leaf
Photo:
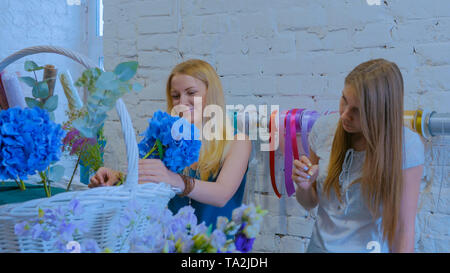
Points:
(82, 125)
(40, 90)
(160, 149)
(28, 80)
(32, 66)
(56, 173)
(209, 231)
(33, 102)
(137, 87)
(107, 81)
(126, 71)
(51, 104)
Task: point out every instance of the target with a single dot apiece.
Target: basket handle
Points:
(125, 120)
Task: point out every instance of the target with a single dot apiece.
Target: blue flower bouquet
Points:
(29, 143)
(163, 139)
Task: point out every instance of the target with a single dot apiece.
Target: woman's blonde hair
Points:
(378, 85)
(212, 153)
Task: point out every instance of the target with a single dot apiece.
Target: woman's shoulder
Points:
(322, 132)
(413, 149)
(327, 122)
(325, 125)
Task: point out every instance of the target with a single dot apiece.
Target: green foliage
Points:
(105, 88)
(40, 90)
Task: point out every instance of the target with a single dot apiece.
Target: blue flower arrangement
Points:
(29, 142)
(165, 232)
(163, 140)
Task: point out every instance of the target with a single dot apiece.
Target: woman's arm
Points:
(229, 179)
(404, 239)
(217, 194)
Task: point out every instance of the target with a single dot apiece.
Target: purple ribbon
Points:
(289, 138)
(304, 121)
(308, 119)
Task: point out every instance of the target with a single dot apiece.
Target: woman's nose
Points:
(184, 99)
(346, 115)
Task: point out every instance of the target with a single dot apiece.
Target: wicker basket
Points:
(102, 206)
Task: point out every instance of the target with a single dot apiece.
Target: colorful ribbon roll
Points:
(3, 100)
(13, 90)
(295, 120)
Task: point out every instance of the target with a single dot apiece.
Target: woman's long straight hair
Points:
(378, 85)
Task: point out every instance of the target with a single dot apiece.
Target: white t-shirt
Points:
(349, 226)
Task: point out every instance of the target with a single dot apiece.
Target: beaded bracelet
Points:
(189, 184)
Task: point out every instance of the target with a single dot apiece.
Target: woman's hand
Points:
(154, 171)
(304, 173)
(104, 177)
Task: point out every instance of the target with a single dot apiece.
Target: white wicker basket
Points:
(102, 206)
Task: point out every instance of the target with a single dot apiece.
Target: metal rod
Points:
(439, 124)
(424, 122)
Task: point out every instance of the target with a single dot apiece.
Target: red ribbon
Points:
(272, 154)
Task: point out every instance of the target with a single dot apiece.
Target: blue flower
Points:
(179, 138)
(29, 142)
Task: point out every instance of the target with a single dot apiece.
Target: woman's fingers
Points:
(302, 174)
(95, 181)
(148, 178)
(300, 166)
(305, 160)
(150, 164)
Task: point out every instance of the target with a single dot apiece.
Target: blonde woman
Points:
(364, 169)
(215, 184)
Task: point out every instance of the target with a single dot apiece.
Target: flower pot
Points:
(10, 192)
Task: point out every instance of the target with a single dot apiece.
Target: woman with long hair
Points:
(365, 167)
(214, 185)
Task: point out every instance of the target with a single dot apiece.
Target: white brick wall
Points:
(295, 54)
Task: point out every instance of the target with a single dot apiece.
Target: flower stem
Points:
(73, 174)
(151, 151)
(21, 184)
(44, 179)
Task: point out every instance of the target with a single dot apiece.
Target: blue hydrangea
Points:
(179, 151)
(29, 142)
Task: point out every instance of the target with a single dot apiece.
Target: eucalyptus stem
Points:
(73, 174)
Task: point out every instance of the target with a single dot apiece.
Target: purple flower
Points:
(75, 207)
(21, 229)
(242, 243)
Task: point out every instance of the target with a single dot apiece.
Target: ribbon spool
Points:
(295, 120)
(421, 122)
